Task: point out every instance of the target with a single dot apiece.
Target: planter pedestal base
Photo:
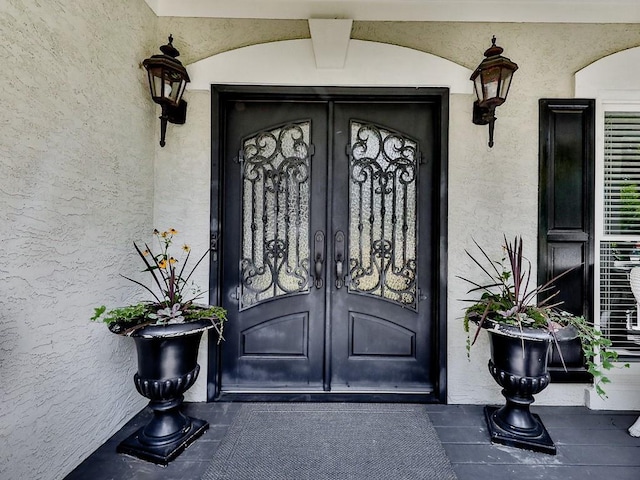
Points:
(167, 367)
(162, 454)
(519, 365)
(539, 441)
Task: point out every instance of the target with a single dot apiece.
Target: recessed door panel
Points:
(282, 336)
(379, 337)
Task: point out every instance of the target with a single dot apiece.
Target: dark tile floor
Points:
(591, 445)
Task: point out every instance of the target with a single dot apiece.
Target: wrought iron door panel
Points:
(381, 325)
(275, 334)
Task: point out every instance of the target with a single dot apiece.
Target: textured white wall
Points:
(491, 191)
(76, 156)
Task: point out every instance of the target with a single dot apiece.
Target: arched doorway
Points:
(293, 63)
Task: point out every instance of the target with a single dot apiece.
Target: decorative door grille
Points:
(383, 227)
(276, 167)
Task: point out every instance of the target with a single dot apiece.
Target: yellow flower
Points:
(186, 248)
(162, 263)
(164, 234)
(156, 232)
(173, 231)
(173, 261)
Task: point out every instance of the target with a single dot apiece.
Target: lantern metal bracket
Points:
(485, 116)
(171, 114)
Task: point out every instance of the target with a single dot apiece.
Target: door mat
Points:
(330, 441)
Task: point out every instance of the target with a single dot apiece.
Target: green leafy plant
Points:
(629, 206)
(174, 294)
(509, 298)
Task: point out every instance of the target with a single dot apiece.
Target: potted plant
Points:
(522, 322)
(167, 331)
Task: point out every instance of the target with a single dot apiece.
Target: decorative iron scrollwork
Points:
(383, 215)
(275, 213)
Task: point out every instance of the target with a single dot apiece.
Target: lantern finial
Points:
(170, 50)
(493, 49)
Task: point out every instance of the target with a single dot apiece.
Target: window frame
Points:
(608, 101)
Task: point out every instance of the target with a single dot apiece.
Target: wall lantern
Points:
(491, 80)
(167, 81)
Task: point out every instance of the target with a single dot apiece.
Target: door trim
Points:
(222, 93)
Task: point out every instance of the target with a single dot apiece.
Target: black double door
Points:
(329, 244)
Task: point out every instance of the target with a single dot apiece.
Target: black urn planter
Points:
(519, 365)
(167, 367)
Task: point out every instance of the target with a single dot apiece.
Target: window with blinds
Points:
(620, 240)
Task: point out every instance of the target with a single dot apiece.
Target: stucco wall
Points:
(491, 191)
(76, 189)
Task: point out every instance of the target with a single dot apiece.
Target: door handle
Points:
(339, 256)
(318, 252)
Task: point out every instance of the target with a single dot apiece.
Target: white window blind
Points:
(620, 240)
(622, 173)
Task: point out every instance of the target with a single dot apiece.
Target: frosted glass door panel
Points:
(383, 211)
(275, 213)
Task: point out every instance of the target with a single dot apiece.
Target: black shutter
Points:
(566, 215)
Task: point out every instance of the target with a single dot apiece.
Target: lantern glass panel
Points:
(477, 84)
(507, 74)
(171, 90)
(490, 83)
(156, 88)
(153, 74)
(180, 90)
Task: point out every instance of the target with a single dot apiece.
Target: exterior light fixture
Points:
(491, 80)
(167, 81)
